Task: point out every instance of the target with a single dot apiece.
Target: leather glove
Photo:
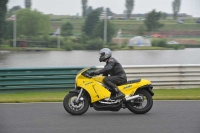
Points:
(94, 73)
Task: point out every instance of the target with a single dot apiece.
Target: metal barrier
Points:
(37, 78)
(161, 76)
(166, 76)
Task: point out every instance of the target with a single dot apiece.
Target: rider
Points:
(114, 69)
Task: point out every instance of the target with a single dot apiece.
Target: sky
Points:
(72, 7)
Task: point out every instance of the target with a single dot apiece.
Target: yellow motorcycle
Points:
(91, 91)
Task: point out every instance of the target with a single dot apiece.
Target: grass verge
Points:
(177, 94)
(58, 96)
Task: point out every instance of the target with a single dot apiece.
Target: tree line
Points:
(129, 5)
(34, 24)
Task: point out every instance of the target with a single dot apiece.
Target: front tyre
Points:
(73, 107)
(141, 105)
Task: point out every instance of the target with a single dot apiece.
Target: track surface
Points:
(164, 117)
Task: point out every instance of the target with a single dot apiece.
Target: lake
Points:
(23, 59)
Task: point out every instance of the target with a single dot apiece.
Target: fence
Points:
(166, 76)
(161, 76)
(37, 78)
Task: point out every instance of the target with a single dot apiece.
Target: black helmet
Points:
(105, 53)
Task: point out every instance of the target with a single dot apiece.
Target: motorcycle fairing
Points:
(95, 88)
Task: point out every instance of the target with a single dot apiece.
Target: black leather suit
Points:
(116, 72)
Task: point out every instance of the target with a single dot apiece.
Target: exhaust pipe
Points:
(132, 97)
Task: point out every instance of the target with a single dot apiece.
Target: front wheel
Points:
(75, 107)
(141, 105)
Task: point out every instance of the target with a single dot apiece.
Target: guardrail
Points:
(166, 76)
(37, 78)
(161, 76)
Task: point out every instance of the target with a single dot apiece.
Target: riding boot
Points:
(119, 94)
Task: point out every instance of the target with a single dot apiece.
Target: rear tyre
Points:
(141, 105)
(73, 107)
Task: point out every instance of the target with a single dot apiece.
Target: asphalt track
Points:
(165, 117)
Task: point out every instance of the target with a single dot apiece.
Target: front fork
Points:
(79, 96)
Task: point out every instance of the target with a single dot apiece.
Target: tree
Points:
(176, 7)
(140, 31)
(32, 23)
(3, 10)
(83, 38)
(28, 3)
(84, 7)
(100, 9)
(8, 33)
(66, 29)
(109, 12)
(164, 15)
(152, 21)
(99, 30)
(90, 23)
(14, 9)
(89, 10)
(129, 7)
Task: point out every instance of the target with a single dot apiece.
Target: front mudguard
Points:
(75, 91)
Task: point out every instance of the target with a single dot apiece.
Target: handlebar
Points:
(86, 74)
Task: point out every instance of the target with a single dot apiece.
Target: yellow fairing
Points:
(93, 87)
(128, 89)
(97, 91)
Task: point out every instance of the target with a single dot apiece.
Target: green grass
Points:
(177, 94)
(32, 96)
(60, 49)
(198, 39)
(30, 49)
(58, 96)
(147, 48)
(130, 27)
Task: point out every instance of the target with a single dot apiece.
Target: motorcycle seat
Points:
(132, 81)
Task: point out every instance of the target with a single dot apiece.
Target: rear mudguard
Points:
(148, 88)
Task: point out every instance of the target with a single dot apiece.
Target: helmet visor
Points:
(102, 56)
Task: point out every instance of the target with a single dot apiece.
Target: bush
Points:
(83, 38)
(111, 46)
(175, 46)
(159, 42)
(124, 44)
(140, 31)
(68, 45)
(5, 46)
(66, 29)
(6, 42)
(52, 42)
(163, 43)
(78, 46)
(191, 45)
(94, 44)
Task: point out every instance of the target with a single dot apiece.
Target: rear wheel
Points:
(141, 105)
(75, 107)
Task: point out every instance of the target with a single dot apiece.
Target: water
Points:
(22, 59)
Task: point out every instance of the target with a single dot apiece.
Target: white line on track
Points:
(61, 102)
